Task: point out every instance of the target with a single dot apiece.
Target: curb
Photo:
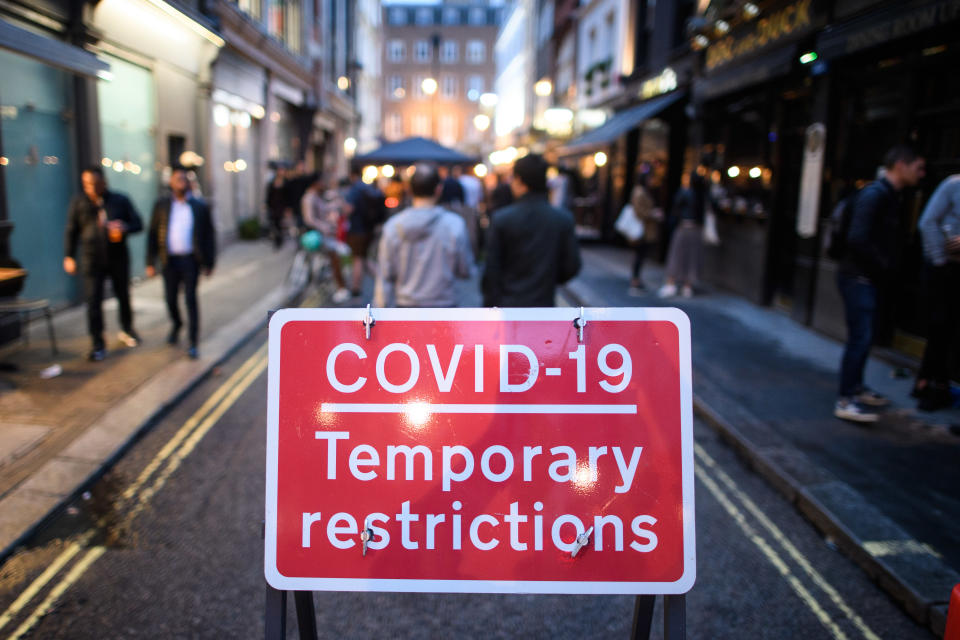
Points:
(916, 578)
(42, 496)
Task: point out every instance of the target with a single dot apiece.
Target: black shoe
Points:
(935, 398)
(193, 353)
(173, 336)
(97, 354)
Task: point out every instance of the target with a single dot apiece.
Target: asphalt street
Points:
(168, 544)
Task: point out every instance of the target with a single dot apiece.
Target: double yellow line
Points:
(137, 496)
(729, 495)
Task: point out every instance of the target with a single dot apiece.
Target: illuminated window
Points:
(449, 52)
(475, 88)
(397, 51)
(449, 89)
(476, 52)
(421, 125)
(395, 88)
(421, 51)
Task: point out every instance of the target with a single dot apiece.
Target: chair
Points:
(22, 309)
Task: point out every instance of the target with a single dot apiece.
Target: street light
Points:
(543, 88)
(481, 121)
(429, 86)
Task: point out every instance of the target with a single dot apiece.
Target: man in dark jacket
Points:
(182, 239)
(866, 268)
(98, 223)
(531, 246)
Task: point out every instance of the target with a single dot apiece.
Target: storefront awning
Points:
(620, 124)
(53, 52)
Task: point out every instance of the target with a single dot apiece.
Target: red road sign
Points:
(471, 448)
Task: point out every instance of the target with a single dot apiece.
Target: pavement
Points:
(59, 434)
(887, 495)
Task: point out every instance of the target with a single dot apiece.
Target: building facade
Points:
(437, 63)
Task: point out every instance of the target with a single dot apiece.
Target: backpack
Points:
(839, 226)
(375, 207)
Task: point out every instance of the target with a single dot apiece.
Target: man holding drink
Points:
(98, 223)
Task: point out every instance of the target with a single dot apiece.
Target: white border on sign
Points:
(675, 316)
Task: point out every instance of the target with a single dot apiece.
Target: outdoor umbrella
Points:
(413, 150)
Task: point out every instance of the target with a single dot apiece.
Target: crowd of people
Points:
(417, 234)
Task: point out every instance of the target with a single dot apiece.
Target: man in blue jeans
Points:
(866, 268)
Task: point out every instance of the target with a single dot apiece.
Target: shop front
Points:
(753, 102)
(237, 165)
(892, 81)
(43, 134)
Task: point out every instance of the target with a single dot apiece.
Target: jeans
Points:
(943, 318)
(860, 307)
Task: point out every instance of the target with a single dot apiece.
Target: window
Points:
(397, 51)
(449, 52)
(451, 16)
(421, 125)
(449, 88)
(474, 88)
(478, 16)
(448, 129)
(395, 125)
(421, 51)
(395, 88)
(254, 8)
(398, 16)
(424, 16)
(476, 52)
(418, 91)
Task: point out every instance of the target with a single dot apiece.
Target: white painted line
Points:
(427, 408)
(552, 371)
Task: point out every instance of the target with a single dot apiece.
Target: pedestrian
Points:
(940, 227)
(686, 245)
(501, 195)
(451, 191)
(531, 245)
(182, 240)
(361, 215)
(98, 223)
(650, 215)
(277, 201)
(423, 250)
(865, 271)
(320, 212)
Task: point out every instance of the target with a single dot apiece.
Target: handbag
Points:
(710, 235)
(628, 224)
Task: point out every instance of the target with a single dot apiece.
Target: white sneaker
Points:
(340, 296)
(128, 340)
(687, 292)
(847, 409)
(667, 291)
(871, 398)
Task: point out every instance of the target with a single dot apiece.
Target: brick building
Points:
(452, 44)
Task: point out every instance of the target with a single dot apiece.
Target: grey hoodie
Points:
(422, 251)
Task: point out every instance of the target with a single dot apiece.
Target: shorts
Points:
(359, 244)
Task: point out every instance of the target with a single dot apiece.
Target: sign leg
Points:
(275, 620)
(643, 617)
(306, 615)
(675, 617)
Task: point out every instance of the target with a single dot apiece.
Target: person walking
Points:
(531, 245)
(181, 238)
(686, 245)
(650, 215)
(940, 228)
(423, 250)
(277, 201)
(98, 223)
(865, 271)
(362, 220)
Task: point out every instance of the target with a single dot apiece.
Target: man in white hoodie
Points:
(423, 250)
